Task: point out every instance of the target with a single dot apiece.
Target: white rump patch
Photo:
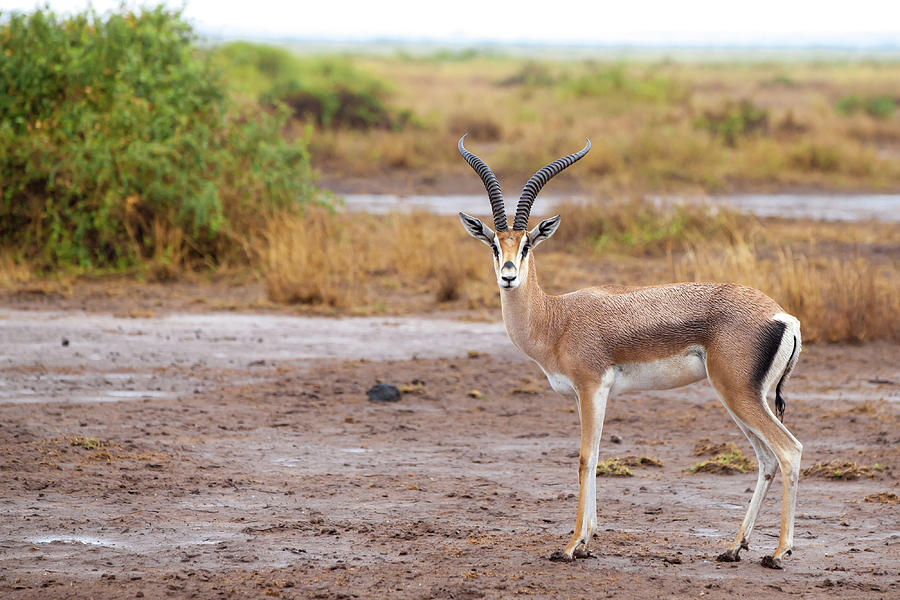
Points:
(785, 349)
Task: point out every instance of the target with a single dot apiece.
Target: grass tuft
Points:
(727, 461)
(613, 467)
(845, 470)
(883, 498)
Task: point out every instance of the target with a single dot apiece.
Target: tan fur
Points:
(590, 335)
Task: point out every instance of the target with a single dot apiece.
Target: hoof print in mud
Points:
(770, 562)
(582, 552)
(728, 556)
(560, 556)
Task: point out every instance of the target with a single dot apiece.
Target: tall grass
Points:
(406, 262)
(641, 227)
(836, 299)
(360, 262)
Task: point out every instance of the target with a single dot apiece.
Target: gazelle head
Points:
(512, 247)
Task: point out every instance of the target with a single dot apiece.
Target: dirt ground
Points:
(210, 455)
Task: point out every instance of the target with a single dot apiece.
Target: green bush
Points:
(118, 144)
(734, 121)
(331, 91)
(615, 81)
(879, 107)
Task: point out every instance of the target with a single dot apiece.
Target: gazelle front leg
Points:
(592, 409)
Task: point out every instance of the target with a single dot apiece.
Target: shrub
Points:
(330, 91)
(118, 144)
(733, 121)
(531, 74)
(614, 80)
(878, 107)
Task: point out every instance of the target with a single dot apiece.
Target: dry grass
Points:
(613, 467)
(883, 498)
(621, 467)
(360, 262)
(648, 121)
(639, 227)
(842, 287)
(13, 273)
(842, 469)
(728, 461)
(835, 298)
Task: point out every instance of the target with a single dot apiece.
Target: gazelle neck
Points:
(527, 311)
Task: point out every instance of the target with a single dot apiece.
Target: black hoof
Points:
(770, 562)
(560, 556)
(729, 556)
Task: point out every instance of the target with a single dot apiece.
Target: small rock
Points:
(615, 439)
(476, 394)
(65, 341)
(384, 392)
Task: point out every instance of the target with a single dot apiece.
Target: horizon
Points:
(650, 24)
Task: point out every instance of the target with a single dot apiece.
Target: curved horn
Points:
(491, 185)
(537, 181)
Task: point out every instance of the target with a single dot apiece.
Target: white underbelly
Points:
(560, 384)
(681, 369)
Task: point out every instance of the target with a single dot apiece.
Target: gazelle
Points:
(600, 341)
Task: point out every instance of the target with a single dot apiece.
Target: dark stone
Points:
(65, 341)
(384, 392)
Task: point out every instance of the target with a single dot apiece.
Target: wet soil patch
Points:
(287, 482)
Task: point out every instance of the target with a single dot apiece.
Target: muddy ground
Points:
(213, 455)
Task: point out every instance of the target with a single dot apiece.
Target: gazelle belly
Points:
(560, 384)
(673, 371)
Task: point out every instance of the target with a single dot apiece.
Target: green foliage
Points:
(531, 74)
(734, 121)
(330, 91)
(615, 81)
(878, 107)
(641, 227)
(118, 144)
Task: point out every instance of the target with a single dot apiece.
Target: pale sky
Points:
(716, 22)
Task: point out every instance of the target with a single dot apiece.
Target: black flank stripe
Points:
(768, 338)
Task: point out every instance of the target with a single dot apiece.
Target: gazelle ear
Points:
(544, 230)
(477, 229)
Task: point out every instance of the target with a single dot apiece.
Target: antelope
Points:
(598, 342)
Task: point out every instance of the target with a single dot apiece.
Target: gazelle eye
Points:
(525, 250)
(496, 251)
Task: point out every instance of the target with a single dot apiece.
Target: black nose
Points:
(509, 265)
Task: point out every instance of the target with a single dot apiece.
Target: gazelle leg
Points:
(768, 464)
(751, 411)
(592, 404)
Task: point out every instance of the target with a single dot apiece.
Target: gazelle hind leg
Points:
(751, 411)
(768, 464)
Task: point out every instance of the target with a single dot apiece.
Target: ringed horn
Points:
(530, 191)
(538, 180)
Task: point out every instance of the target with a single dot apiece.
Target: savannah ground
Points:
(179, 456)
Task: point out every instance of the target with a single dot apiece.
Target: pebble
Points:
(384, 392)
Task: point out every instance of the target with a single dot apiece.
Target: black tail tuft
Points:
(780, 404)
